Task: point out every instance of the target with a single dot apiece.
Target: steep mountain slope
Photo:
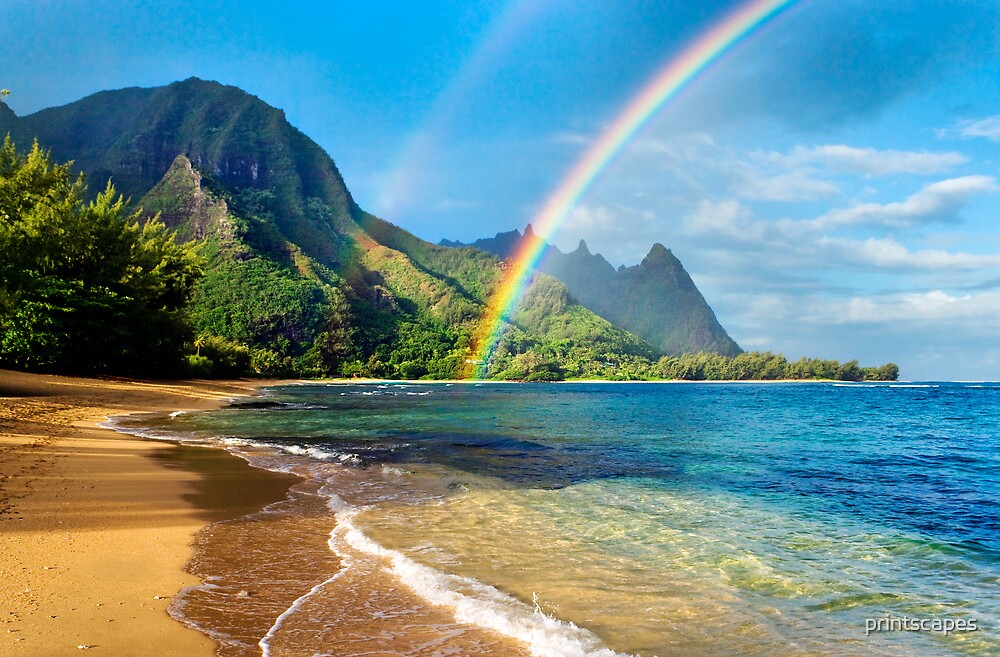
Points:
(655, 300)
(299, 279)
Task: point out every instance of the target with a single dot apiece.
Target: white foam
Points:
(318, 453)
(176, 611)
(471, 601)
(113, 423)
(265, 642)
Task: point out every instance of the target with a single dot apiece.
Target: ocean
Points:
(778, 519)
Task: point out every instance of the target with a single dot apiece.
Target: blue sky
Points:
(831, 184)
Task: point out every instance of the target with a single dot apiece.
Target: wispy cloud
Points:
(810, 243)
(988, 128)
(937, 306)
(702, 164)
(933, 306)
(867, 161)
(793, 186)
(573, 138)
(728, 218)
(937, 202)
(889, 253)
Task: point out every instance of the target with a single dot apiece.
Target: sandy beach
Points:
(96, 526)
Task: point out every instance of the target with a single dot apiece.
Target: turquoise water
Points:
(659, 519)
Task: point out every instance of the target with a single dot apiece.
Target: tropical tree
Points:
(86, 286)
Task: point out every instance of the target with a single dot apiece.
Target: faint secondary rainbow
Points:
(664, 86)
(410, 165)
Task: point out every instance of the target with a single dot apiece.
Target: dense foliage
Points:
(84, 286)
(767, 366)
(297, 279)
(518, 357)
(88, 287)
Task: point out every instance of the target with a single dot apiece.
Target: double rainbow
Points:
(665, 85)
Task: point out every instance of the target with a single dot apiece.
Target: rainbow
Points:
(664, 86)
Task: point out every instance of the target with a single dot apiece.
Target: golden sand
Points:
(94, 534)
(97, 528)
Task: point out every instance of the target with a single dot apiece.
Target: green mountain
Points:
(298, 278)
(655, 300)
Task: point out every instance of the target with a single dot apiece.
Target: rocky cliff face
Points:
(655, 300)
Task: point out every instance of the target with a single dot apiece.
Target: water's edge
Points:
(467, 600)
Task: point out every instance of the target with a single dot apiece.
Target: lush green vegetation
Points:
(84, 287)
(89, 287)
(521, 358)
(280, 272)
(767, 366)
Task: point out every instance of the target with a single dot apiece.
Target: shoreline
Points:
(572, 381)
(97, 526)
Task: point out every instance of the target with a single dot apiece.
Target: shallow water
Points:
(647, 519)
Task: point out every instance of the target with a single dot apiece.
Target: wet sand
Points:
(96, 527)
(99, 532)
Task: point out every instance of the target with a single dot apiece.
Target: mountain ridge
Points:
(656, 300)
(295, 278)
(298, 278)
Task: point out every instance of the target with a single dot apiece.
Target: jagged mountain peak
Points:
(295, 270)
(184, 205)
(660, 257)
(656, 299)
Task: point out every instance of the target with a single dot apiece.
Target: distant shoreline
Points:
(561, 382)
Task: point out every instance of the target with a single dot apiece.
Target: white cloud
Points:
(888, 253)
(808, 245)
(726, 217)
(935, 306)
(794, 186)
(572, 138)
(587, 219)
(980, 311)
(866, 161)
(988, 128)
(940, 201)
(701, 164)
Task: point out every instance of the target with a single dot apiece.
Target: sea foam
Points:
(470, 601)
